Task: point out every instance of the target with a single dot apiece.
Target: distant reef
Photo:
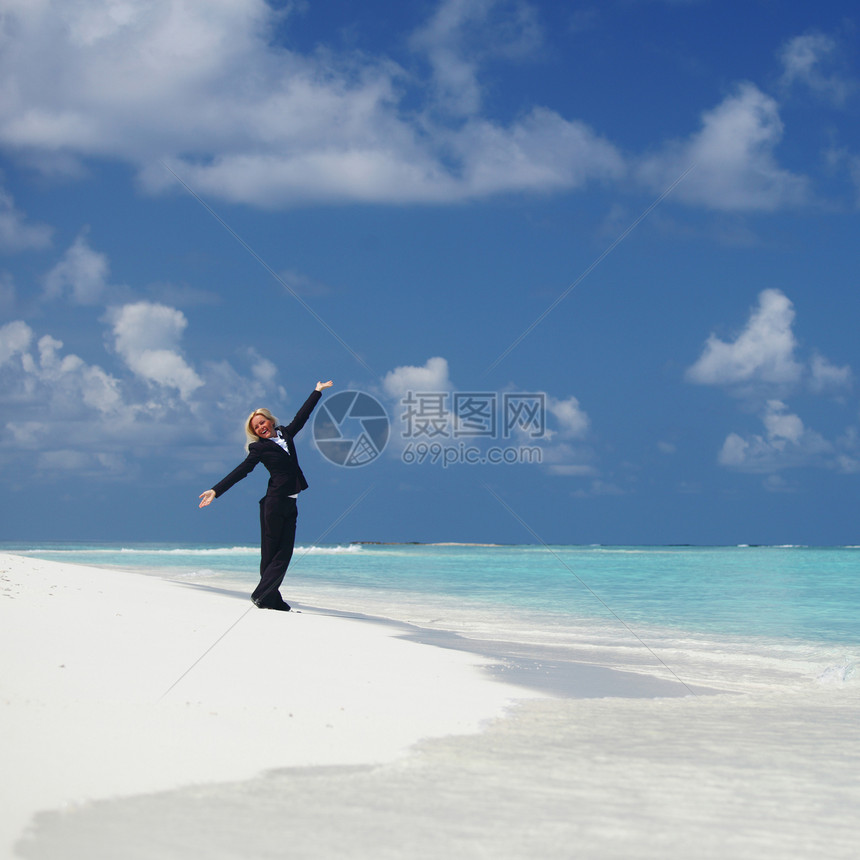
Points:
(418, 543)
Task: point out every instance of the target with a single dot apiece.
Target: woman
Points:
(273, 446)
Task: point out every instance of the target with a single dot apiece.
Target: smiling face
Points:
(262, 426)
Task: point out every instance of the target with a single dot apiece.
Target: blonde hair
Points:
(250, 435)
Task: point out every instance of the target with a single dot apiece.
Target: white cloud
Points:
(808, 60)
(463, 33)
(15, 338)
(827, 377)
(152, 394)
(229, 392)
(733, 154)
(762, 352)
(774, 483)
(454, 72)
(782, 426)
(74, 376)
(263, 369)
(847, 464)
(82, 271)
(572, 420)
(763, 357)
(200, 86)
(761, 362)
(785, 443)
(43, 387)
(49, 384)
(15, 233)
(542, 151)
(147, 337)
(431, 377)
(566, 423)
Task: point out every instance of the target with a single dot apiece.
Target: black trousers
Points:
(277, 538)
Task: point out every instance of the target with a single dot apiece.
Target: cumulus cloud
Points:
(735, 167)
(432, 376)
(263, 369)
(571, 418)
(149, 389)
(44, 387)
(82, 272)
(147, 337)
(461, 34)
(763, 352)
(764, 355)
(814, 61)
(72, 378)
(200, 86)
(561, 443)
(825, 376)
(57, 385)
(541, 151)
(15, 338)
(760, 362)
(785, 443)
(16, 234)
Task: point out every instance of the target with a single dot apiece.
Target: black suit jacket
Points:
(285, 476)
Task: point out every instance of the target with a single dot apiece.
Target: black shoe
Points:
(282, 606)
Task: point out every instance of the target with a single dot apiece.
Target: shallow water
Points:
(726, 615)
(717, 777)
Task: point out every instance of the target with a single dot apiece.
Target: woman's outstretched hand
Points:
(207, 498)
(322, 385)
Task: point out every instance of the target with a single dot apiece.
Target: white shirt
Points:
(278, 439)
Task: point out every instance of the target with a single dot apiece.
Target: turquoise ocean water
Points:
(715, 613)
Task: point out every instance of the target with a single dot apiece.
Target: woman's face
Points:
(262, 426)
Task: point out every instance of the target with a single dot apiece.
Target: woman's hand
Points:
(322, 385)
(207, 498)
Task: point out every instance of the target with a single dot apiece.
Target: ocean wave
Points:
(125, 555)
(838, 674)
(234, 550)
(329, 550)
(245, 550)
(188, 551)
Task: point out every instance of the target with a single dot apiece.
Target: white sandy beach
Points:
(313, 736)
(90, 655)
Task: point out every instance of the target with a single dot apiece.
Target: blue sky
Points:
(644, 213)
